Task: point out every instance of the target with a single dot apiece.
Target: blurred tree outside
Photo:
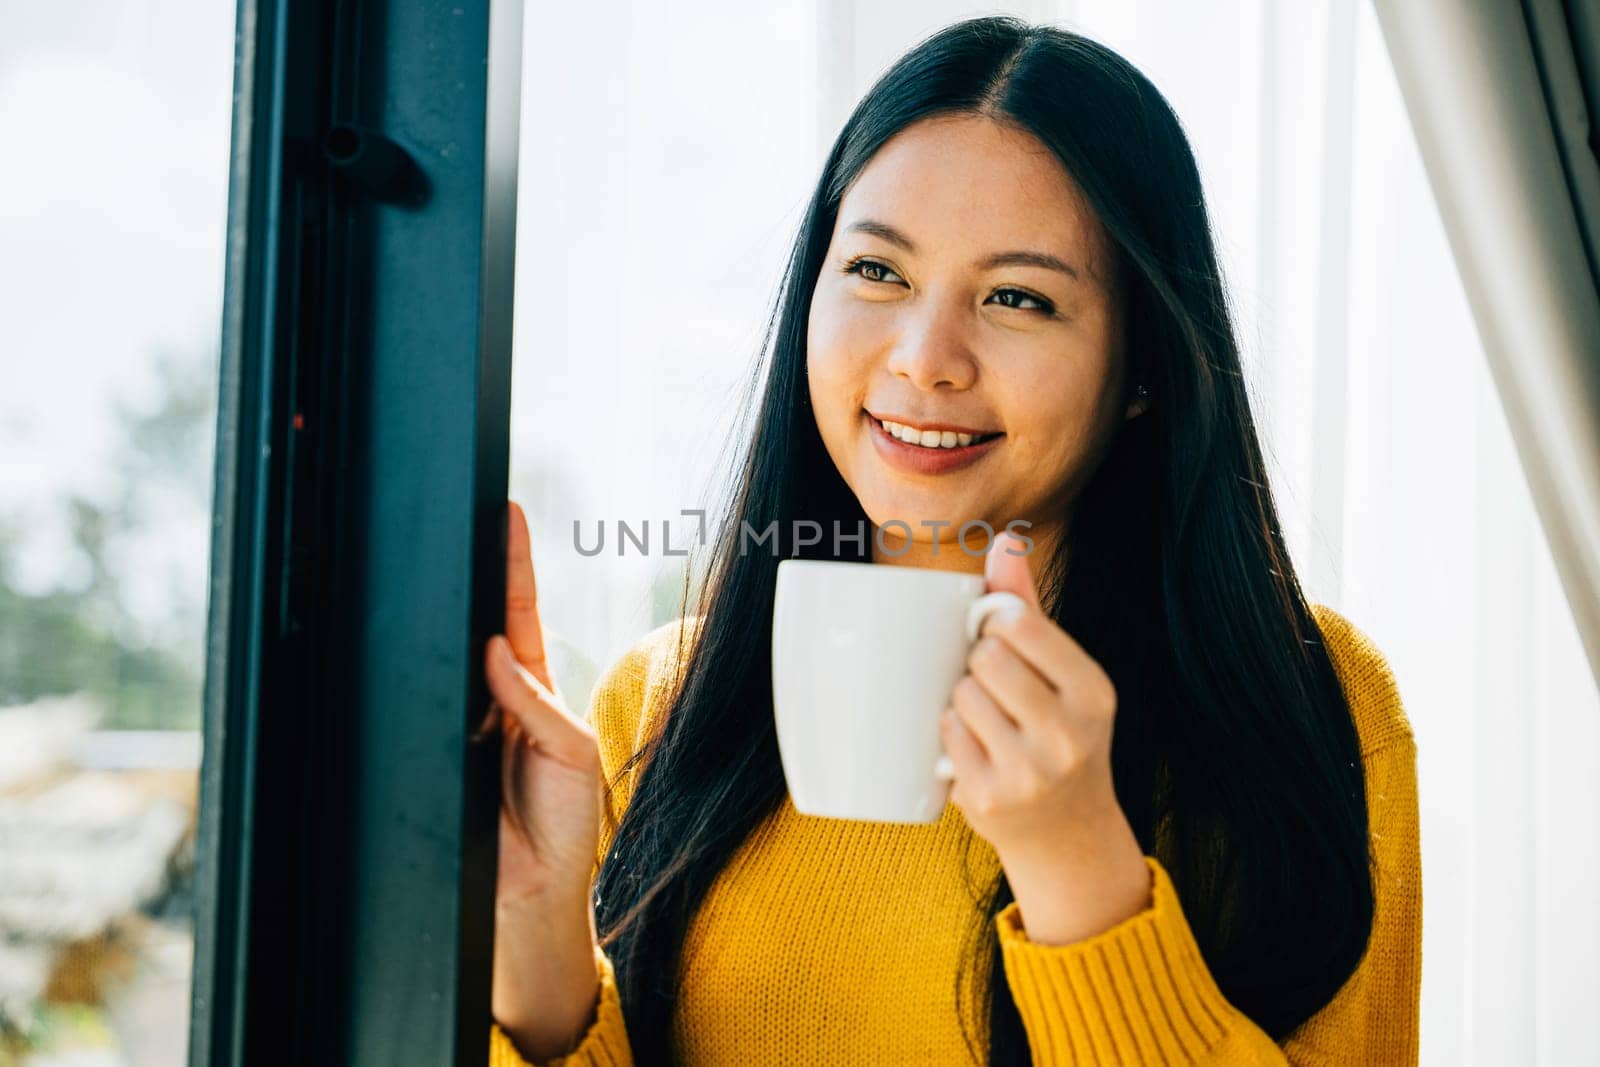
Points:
(99, 629)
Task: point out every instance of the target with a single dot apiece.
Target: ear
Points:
(1136, 407)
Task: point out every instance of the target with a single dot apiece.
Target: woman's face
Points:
(966, 287)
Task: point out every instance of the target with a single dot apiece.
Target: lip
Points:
(917, 460)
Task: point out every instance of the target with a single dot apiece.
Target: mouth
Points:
(948, 448)
(935, 437)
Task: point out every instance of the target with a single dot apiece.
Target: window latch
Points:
(375, 165)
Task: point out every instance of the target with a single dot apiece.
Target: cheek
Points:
(838, 344)
(1053, 410)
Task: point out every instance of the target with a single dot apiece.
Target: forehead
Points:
(964, 186)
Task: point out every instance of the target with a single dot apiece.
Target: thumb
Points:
(1006, 568)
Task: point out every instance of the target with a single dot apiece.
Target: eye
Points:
(1041, 304)
(873, 271)
(862, 266)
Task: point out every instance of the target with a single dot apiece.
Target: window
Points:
(112, 208)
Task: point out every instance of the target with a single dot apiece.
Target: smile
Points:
(929, 451)
(931, 438)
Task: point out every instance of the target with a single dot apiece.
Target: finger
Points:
(963, 748)
(990, 725)
(489, 725)
(497, 721)
(1045, 647)
(1006, 568)
(1027, 699)
(523, 627)
(513, 777)
(546, 723)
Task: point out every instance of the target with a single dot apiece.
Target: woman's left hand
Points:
(1029, 729)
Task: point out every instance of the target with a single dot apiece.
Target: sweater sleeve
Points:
(1141, 992)
(619, 710)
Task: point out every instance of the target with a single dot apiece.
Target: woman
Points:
(1183, 825)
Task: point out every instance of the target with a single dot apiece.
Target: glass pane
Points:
(116, 118)
(651, 234)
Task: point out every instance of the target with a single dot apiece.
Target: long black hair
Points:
(1235, 756)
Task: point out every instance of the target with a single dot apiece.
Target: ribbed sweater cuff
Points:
(1139, 992)
(604, 1044)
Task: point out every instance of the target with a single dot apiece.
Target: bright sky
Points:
(112, 206)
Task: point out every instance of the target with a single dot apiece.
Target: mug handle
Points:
(1008, 605)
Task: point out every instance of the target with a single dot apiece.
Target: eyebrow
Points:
(1018, 258)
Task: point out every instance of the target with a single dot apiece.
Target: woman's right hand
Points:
(550, 768)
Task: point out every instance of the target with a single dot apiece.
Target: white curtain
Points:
(666, 162)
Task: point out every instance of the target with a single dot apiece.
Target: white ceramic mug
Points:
(864, 658)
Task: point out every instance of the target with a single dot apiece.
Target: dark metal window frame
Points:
(347, 822)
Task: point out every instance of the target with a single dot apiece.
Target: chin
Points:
(915, 508)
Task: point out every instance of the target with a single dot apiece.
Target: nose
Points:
(932, 350)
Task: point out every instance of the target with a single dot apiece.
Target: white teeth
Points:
(927, 438)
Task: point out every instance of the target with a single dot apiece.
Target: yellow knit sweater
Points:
(832, 941)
